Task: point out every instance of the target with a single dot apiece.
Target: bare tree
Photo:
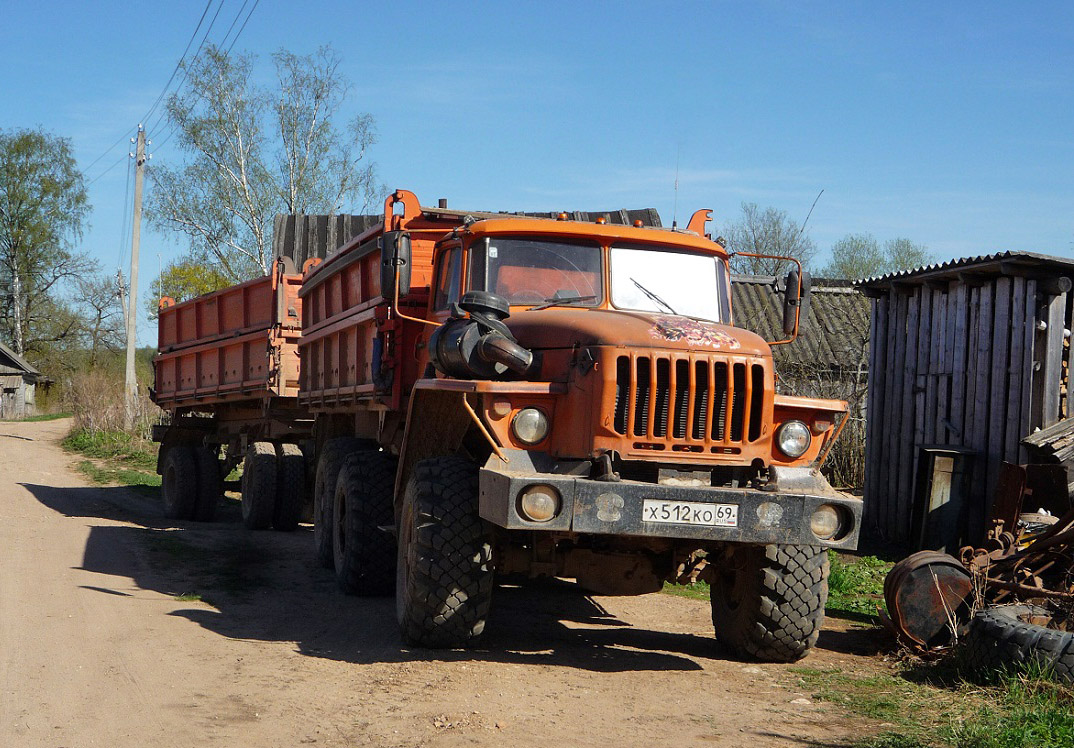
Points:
(767, 231)
(254, 152)
(99, 307)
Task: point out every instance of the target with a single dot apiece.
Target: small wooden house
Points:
(967, 358)
(18, 381)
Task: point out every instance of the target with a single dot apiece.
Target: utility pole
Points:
(130, 380)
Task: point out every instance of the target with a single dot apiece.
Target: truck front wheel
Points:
(768, 601)
(363, 548)
(444, 572)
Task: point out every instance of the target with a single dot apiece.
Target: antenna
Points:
(675, 208)
(802, 230)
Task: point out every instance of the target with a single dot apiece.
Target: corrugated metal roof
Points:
(994, 263)
(16, 361)
(834, 335)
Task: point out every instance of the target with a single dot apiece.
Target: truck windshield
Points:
(536, 271)
(670, 282)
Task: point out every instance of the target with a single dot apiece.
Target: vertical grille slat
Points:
(738, 404)
(641, 398)
(680, 383)
(688, 399)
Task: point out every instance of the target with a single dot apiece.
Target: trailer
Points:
(483, 395)
(227, 375)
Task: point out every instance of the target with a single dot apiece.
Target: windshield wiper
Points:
(555, 300)
(653, 296)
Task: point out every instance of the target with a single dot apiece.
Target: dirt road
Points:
(103, 643)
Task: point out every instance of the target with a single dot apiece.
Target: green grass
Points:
(855, 587)
(1024, 711)
(118, 458)
(189, 597)
(40, 417)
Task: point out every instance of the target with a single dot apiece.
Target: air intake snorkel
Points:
(479, 346)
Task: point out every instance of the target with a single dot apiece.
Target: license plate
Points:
(690, 513)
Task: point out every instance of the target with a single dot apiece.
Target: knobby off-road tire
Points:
(364, 553)
(444, 572)
(768, 601)
(290, 487)
(324, 492)
(999, 640)
(259, 486)
(179, 483)
(210, 484)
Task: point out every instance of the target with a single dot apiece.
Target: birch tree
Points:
(767, 231)
(43, 206)
(251, 151)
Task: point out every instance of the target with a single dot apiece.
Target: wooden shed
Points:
(966, 359)
(17, 383)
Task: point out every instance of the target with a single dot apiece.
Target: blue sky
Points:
(951, 124)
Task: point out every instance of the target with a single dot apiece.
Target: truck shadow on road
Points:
(268, 586)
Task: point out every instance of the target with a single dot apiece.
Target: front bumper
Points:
(615, 508)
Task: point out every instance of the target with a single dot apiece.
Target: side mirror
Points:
(795, 306)
(394, 264)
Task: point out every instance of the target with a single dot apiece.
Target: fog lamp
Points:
(539, 503)
(827, 522)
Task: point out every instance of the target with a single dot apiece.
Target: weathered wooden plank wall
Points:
(971, 360)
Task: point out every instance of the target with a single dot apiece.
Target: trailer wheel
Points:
(210, 484)
(290, 487)
(768, 601)
(444, 572)
(179, 483)
(363, 547)
(259, 486)
(333, 454)
(1005, 638)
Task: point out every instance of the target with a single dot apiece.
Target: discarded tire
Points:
(324, 491)
(290, 487)
(363, 547)
(210, 484)
(259, 486)
(179, 483)
(768, 601)
(1006, 638)
(444, 573)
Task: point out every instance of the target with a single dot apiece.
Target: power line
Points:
(197, 52)
(121, 255)
(235, 20)
(122, 158)
(243, 25)
(179, 64)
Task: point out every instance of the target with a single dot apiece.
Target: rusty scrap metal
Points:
(929, 596)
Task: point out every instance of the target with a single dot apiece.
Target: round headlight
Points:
(793, 439)
(530, 426)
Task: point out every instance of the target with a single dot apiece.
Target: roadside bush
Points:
(97, 400)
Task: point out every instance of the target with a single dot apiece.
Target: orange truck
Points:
(484, 395)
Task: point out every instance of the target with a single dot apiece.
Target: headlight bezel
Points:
(798, 431)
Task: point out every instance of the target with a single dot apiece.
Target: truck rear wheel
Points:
(444, 572)
(179, 482)
(290, 487)
(364, 553)
(333, 454)
(768, 601)
(259, 486)
(210, 484)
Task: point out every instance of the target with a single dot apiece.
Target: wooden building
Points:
(18, 381)
(966, 359)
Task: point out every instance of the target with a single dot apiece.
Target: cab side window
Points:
(448, 279)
